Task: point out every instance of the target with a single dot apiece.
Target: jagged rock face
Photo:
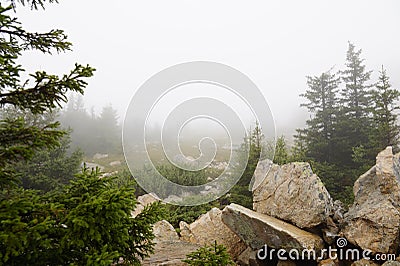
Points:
(292, 193)
(257, 229)
(209, 228)
(373, 221)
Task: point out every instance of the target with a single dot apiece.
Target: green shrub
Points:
(214, 255)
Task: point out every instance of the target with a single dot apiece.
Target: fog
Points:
(275, 43)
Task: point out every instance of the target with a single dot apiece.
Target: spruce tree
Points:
(299, 150)
(322, 103)
(88, 222)
(384, 101)
(345, 132)
(281, 152)
(40, 93)
(355, 121)
(108, 131)
(212, 255)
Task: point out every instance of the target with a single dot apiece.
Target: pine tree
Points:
(48, 168)
(251, 147)
(89, 222)
(281, 151)
(247, 158)
(355, 123)
(322, 103)
(213, 255)
(298, 152)
(356, 94)
(344, 134)
(43, 92)
(108, 133)
(384, 100)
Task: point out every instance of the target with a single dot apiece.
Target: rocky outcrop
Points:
(209, 228)
(293, 210)
(292, 193)
(257, 230)
(373, 221)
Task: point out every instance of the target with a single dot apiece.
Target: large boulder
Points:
(142, 202)
(388, 176)
(292, 193)
(249, 258)
(373, 221)
(382, 179)
(170, 253)
(169, 249)
(164, 231)
(364, 262)
(373, 225)
(391, 263)
(209, 228)
(257, 230)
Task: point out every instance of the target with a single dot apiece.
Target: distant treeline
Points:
(90, 132)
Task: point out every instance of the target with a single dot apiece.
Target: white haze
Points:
(275, 43)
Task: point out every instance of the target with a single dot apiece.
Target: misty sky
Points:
(275, 43)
